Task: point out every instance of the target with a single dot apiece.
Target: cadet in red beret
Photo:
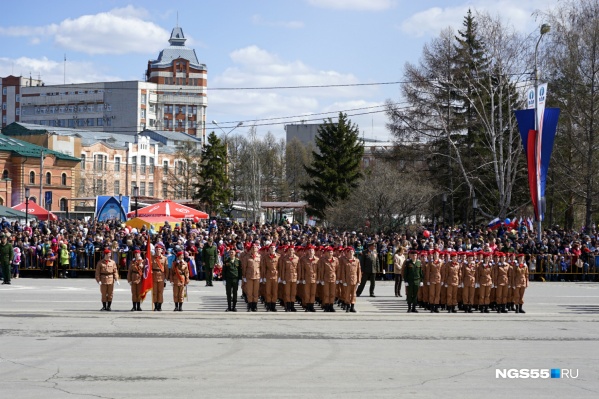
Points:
(106, 274)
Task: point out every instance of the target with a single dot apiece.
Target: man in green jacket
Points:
(413, 276)
(231, 278)
(6, 256)
(210, 258)
(371, 265)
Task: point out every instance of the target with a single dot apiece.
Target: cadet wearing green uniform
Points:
(210, 258)
(6, 256)
(231, 278)
(413, 276)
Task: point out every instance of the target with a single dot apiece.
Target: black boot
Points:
(436, 308)
(469, 308)
(503, 308)
(293, 309)
(414, 309)
(453, 309)
(103, 306)
(273, 306)
(234, 308)
(352, 308)
(486, 308)
(409, 308)
(286, 306)
(159, 306)
(180, 306)
(432, 308)
(176, 307)
(228, 306)
(134, 308)
(331, 308)
(138, 306)
(254, 306)
(155, 307)
(521, 310)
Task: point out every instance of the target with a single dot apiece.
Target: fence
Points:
(564, 268)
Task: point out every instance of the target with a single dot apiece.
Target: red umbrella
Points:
(35, 210)
(169, 208)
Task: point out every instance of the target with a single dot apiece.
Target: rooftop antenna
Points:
(64, 74)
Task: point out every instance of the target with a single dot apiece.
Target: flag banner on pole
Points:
(494, 224)
(192, 268)
(146, 280)
(537, 161)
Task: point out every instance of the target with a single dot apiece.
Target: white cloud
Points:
(259, 21)
(516, 12)
(357, 5)
(52, 72)
(118, 31)
(256, 67)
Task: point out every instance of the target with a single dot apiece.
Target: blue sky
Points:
(247, 43)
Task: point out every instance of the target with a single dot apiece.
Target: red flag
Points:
(146, 280)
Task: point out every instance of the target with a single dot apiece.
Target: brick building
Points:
(22, 167)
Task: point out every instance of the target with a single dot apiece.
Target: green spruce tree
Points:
(212, 189)
(335, 169)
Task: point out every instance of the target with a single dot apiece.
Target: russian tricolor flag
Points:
(495, 223)
(192, 268)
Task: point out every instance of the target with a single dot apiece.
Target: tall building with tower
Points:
(173, 98)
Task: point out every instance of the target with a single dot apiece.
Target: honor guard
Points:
(106, 275)
(179, 278)
(412, 276)
(134, 275)
(159, 272)
(232, 279)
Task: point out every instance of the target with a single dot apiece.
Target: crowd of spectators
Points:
(66, 248)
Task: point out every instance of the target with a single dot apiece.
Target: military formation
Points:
(327, 276)
(468, 281)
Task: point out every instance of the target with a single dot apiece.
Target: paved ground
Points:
(54, 343)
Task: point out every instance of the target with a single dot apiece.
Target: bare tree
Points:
(385, 199)
(298, 156)
(179, 181)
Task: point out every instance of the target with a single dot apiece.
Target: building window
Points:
(134, 164)
(165, 168)
(32, 177)
(82, 161)
(117, 164)
(100, 162)
(5, 174)
(164, 190)
(82, 187)
(63, 179)
(117, 187)
(4, 90)
(90, 121)
(133, 184)
(63, 205)
(142, 189)
(151, 165)
(142, 165)
(99, 122)
(143, 98)
(150, 189)
(179, 168)
(142, 114)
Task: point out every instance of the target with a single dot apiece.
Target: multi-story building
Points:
(173, 98)
(24, 168)
(112, 164)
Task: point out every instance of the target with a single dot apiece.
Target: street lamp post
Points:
(135, 195)
(545, 28)
(444, 200)
(474, 208)
(226, 143)
(27, 192)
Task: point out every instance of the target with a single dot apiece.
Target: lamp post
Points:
(135, 195)
(26, 206)
(6, 180)
(226, 143)
(444, 201)
(474, 208)
(545, 28)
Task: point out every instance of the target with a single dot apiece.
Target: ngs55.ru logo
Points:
(536, 373)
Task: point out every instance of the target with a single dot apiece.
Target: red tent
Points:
(169, 208)
(35, 210)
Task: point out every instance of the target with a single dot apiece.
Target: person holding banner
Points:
(159, 272)
(179, 278)
(134, 278)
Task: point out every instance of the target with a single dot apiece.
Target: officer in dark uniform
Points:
(6, 256)
(413, 276)
(370, 267)
(210, 258)
(231, 279)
